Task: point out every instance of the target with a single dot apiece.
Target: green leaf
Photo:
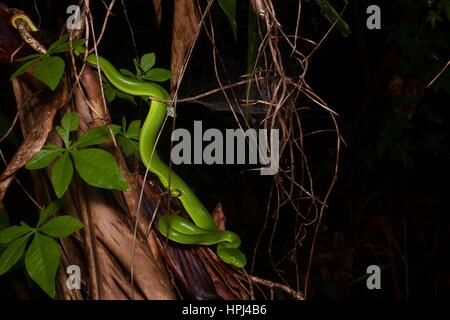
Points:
(57, 44)
(127, 73)
(51, 146)
(61, 174)
(137, 65)
(96, 135)
(23, 68)
(78, 43)
(128, 146)
(42, 262)
(48, 211)
(124, 124)
(134, 130)
(110, 93)
(99, 169)
(64, 135)
(229, 7)
(148, 61)
(332, 15)
(50, 71)
(64, 47)
(29, 57)
(12, 233)
(13, 253)
(157, 75)
(78, 50)
(128, 140)
(62, 226)
(43, 158)
(70, 121)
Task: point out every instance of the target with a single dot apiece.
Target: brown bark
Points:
(108, 246)
(157, 5)
(186, 20)
(116, 248)
(119, 255)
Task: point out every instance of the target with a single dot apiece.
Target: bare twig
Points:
(439, 74)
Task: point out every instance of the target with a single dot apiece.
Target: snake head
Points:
(232, 256)
(24, 18)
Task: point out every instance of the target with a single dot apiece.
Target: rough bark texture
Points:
(186, 20)
(110, 246)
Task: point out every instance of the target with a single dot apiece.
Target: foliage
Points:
(397, 137)
(144, 72)
(48, 67)
(128, 139)
(333, 16)
(95, 166)
(229, 8)
(42, 257)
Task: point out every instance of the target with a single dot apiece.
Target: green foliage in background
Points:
(37, 246)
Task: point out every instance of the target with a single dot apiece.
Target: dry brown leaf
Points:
(34, 140)
(185, 23)
(219, 217)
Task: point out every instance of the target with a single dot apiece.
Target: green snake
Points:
(204, 230)
(176, 228)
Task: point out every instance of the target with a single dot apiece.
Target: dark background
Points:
(390, 204)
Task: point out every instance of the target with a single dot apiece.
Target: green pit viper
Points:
(203, 231)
